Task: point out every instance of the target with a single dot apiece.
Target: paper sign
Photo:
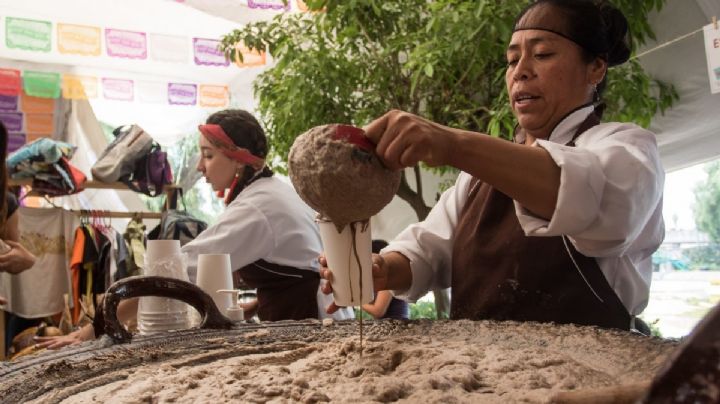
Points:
(126, 44)
(118, 89)
(169, 48)
(213, 96)
(712, 51)
(182, 93)
(39, 124)
(15, 141)
(207, 53)
(269, 4)
(250, 58)
(152, 92)
(41, 84)
(79, 87)
(10, 82)
(13, 121)
(36, 105)
(78, 39)
(8, 102)
(31, 137)
(32, 35)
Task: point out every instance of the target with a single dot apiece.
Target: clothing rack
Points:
(116, 215)
(169, 190)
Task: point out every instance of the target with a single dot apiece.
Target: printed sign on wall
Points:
(213, 96)
(153, 92)
(41, 84)
(126, 44)
(39, 124)
(182, 93)
(712, 52)
(36, 105)
(13, 121)
(32, 35)
(118, 89)
(270, 4)
(15, 141)
(250, 58)
(10, 82)
(8, 102)
(207, 52)
(78, 39)
(169, 48)
(79, 87)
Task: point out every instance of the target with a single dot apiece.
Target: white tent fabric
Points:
(686, 133)
(689, 132)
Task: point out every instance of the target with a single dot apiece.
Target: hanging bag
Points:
(152, 172)
(119, 157)
(177, 224)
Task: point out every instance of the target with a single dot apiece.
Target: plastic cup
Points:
(214, 273)
(158, 250)
(342, 258)
(163, 258)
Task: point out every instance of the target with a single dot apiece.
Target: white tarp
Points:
(688, 133)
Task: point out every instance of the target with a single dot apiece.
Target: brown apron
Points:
(283, 293)
(499, 273)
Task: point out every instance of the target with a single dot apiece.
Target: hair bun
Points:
(616, 34)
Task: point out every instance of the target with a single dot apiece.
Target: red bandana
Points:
(217, 136)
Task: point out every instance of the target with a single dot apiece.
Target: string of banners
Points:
(28, 98)
(85, 40)
(278, 5)
(38, 84)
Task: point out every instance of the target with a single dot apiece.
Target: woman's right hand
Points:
(84, 334)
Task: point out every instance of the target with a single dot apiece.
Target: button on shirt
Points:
(609, 205)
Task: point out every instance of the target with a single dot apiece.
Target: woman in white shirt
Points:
(558, 225)
(269, 232)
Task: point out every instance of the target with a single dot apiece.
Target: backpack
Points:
(177, 224)
(152, 172)
(119, 157)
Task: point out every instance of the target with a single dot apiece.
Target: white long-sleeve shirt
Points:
(268, 221)
(609, 205)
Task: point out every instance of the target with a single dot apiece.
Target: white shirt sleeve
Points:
(429, 244)
(242, 231)
(610, 193)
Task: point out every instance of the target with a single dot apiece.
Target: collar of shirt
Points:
(565, 130)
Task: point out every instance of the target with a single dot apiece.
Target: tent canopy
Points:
(687, 133)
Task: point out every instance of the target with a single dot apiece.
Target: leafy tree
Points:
(352, 60)
(706, 257)
(707, 202)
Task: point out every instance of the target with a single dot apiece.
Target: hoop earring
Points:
(596, 95)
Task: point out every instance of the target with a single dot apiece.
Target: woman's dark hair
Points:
(3, 176)
(599, 28)
(246, 132)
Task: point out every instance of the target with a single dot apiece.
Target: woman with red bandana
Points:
(558, 225)
(269, 232)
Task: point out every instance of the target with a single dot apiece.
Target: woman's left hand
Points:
(403, 139)
(16, 260)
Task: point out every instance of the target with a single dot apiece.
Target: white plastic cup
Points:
(158, 250)
(155, 314)
(343, 262)
(213, 274)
